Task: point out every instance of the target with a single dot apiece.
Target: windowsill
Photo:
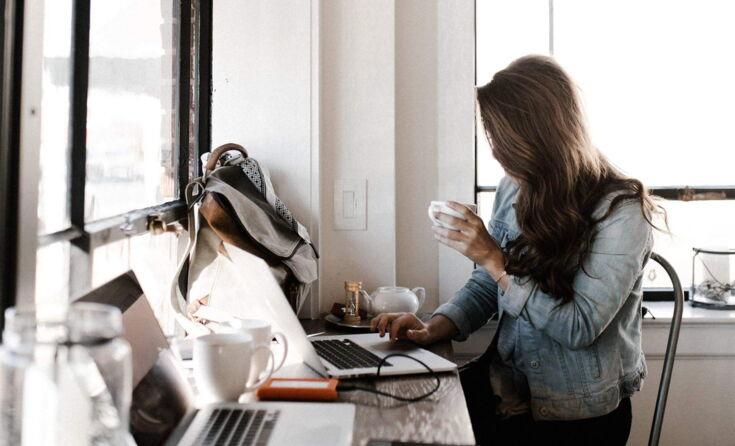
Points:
(663, 312)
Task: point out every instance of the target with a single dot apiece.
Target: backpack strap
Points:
(193, 194)
(218, 152)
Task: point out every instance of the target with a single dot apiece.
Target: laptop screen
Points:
(161, 394)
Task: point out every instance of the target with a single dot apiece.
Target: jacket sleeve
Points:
(472, 305)
(611, 269)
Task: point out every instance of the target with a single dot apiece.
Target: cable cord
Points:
(405, 399)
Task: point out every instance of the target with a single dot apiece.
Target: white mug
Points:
(443, 207)
(262, 335)
(223, 363)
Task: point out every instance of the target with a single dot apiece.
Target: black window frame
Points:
(674, 192)
(11, 45)
(193, 35)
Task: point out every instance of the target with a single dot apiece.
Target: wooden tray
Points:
(362, 326)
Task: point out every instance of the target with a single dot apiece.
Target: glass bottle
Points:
(95, 332)
(83, 346)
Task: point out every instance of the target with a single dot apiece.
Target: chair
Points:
(670, 356)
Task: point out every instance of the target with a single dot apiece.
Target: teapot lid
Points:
(392, 289)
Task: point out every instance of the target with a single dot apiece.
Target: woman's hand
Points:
(470, 239)
(400, 326)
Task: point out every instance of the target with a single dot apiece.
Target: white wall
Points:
(434, 136)
(262, 93)
(456, 125)
(262, 89)
(357, 140)
(380, 90)
(417, 261)
(405, 68)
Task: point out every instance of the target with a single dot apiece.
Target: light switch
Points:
(350, 204)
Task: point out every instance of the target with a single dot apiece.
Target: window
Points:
(131, 107)
(657, 90)
(124, 115)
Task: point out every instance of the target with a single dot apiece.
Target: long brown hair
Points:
(536, 129)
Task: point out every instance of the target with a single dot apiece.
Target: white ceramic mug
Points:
(443, 207)
(262, 335)
(223, 363)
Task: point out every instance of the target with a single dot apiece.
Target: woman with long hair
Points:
(561, 262)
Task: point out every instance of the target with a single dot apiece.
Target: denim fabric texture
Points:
(582, 357)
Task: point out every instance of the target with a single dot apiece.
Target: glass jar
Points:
(95, 332)
(84, 344)
(713, 278)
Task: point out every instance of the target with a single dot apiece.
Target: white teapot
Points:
(395, 299)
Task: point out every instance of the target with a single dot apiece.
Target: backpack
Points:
(234, 202)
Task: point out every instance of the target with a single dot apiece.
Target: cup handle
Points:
(270, 372)
(421, 294)
(283, 341)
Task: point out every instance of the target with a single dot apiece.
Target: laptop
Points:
(252, 292)
(162, 409)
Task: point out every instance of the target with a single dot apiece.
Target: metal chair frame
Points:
(670, 356)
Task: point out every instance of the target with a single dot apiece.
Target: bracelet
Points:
(505, 273)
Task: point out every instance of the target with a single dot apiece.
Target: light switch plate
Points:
(350, 204)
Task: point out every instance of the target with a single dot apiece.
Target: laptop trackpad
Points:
(385, 346)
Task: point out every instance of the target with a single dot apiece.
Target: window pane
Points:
(657, 82)
(131, 123)
(485, 202)
(505, 31)
(698, 224)
(52, 275)
(53, 210)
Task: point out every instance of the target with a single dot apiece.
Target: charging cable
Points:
(406, 399)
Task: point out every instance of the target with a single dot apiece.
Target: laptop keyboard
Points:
(246, 427)
(345, 354)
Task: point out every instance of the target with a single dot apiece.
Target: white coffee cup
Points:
(262, 335)
(443, 207)
(223, 363)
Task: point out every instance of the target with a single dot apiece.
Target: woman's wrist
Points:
(495, 265)
(440, 327)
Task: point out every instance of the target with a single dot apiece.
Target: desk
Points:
(442, 418)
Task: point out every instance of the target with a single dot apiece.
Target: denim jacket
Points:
(579, 358)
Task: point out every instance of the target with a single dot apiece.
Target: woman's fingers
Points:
(397, 325)
(469, 216)
(448, 234)
(382, 322)
(458, 245)
(462, 209)
(374, 322)
(452, 221)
